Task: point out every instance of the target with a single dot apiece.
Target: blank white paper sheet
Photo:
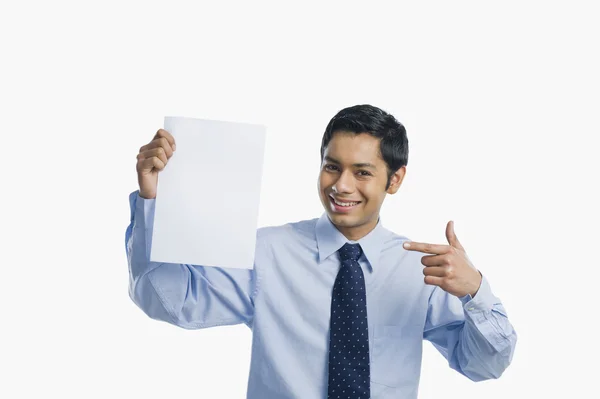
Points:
(207, 198)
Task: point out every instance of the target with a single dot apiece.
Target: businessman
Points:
(338, 305)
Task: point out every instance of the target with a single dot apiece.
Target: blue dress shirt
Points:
(286, 298)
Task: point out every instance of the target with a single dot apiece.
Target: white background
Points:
(500, 101)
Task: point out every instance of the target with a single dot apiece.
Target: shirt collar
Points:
(330, 240)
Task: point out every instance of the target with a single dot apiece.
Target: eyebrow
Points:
(356, 165)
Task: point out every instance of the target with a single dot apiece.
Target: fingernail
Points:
(406, 245)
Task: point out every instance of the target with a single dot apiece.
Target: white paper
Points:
(206, 207)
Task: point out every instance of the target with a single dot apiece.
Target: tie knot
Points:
(350, 251)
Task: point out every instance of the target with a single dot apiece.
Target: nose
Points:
(345, 184)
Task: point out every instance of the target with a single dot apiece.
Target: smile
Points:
(343, 206)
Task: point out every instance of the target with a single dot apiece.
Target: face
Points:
(354, 174)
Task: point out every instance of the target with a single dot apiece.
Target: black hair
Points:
(369, 119)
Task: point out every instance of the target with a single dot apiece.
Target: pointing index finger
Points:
(427, 248)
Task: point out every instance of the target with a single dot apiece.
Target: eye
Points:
(365, 173)
(331, 167)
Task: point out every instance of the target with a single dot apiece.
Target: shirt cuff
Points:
(483, 301)
(144, 209)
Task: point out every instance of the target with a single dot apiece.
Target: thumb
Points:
(451, 236)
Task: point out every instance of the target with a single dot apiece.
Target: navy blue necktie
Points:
(349, 374)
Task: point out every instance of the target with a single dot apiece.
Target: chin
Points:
(344, 220)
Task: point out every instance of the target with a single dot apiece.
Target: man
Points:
(338, 307)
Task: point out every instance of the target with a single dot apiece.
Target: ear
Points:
(396, 180)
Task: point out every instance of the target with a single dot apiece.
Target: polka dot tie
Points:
(349, 374)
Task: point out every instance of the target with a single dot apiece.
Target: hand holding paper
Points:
(153, 158)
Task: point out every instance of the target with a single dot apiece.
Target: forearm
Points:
(138, 242)
(473, 334)
(487, 339)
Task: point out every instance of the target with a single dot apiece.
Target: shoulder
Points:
(302, 229)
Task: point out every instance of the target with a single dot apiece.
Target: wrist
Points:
(480, 279)
(146, 195)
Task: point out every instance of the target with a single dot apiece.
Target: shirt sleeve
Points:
(189, 296)
(473, 334)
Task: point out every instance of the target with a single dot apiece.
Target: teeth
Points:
(344, 203)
